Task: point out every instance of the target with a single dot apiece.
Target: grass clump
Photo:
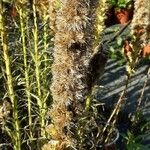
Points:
(25, 75)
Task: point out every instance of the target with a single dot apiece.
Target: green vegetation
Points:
(38, 33)
(25, 76)
(120, 4)
(15, 135)
(133, 140)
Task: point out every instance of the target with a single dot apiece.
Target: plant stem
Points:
(143, 90)
(116, 110)
(45, 55)
(37, 72)
(45, 37)
(16, 132)
(27, 84)
(37, 63)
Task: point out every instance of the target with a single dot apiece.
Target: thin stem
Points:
(143, 89)
(45, 37)
(37, 72)
(16, 136)
(115, 111)
(37, 63)
(27, 84)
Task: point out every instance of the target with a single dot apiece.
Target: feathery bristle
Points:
(140, 25)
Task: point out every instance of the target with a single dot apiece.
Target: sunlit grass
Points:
(26, 53)
(15, 133)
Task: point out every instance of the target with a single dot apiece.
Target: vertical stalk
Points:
(35, 34)
(45, 58)
(99, 21)
(70, 87)
(37, 72)
(27, 84)
(45, 37)
(16, 132)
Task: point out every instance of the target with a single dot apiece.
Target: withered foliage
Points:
(72, 52)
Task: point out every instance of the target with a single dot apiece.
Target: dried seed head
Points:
(140, 25)
(73, 49)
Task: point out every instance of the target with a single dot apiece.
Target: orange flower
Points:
(13, 12)
(127, 48)
(146, 50)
